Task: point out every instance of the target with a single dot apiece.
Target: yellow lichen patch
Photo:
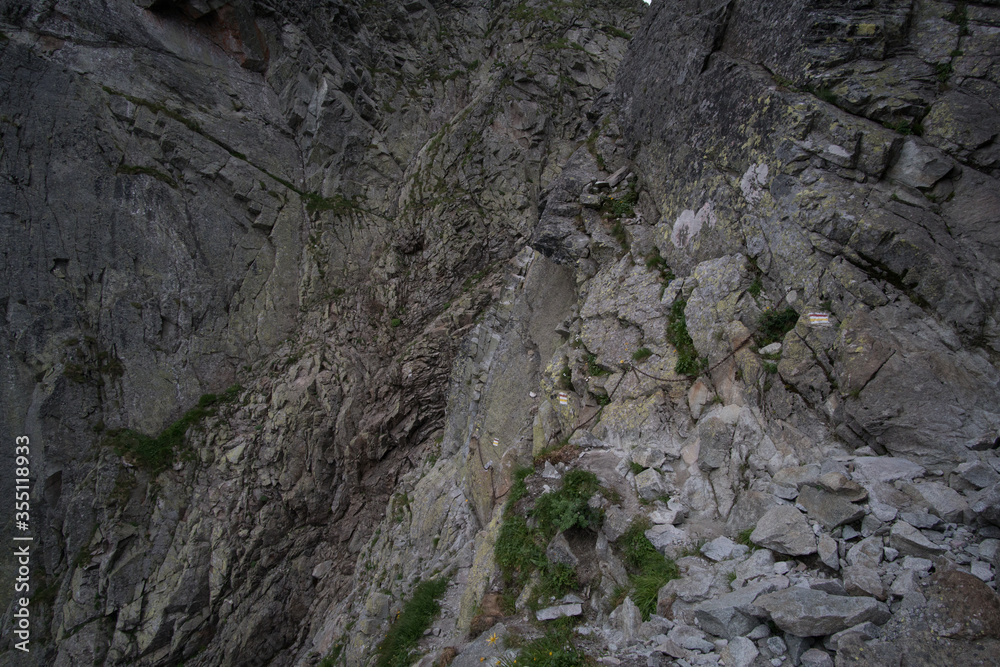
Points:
(866, 29)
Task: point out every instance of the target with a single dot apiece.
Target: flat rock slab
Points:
(943, 501)
(805, 612)
(740, 652)
(886, 468)
(733, 614)
(559, 611)
(722, 548)
(784, 529)
(911, 542)
(829, 509)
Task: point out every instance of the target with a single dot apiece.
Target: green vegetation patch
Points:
(677, 333)
(338, 204)
(520, 549)
(642, 354)
(409, 626)
(656, 262)
(594, 369)
(158, 453)
(554, 649)
(649, 570)
(774, 324)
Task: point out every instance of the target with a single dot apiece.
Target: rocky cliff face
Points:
(736, 261)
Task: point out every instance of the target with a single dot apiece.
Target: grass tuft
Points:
(410, 623)
(158, 453)
(649, 569)
(677, 333)
(773, 325)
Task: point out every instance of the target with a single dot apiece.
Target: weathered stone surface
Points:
(887, 468)
(987, 504)
(733, 614)
(627, 618)
(839, 483)
(690, 638)
(722, 548)
(649, 484)
(740, 652)
(816, 658)
(559, 551)
(919, 165)
(977, 473)
(784, 529)
(828, 551)
(863, 580)
(809, 613)
(559, 611)
(911, 542)
(829, 509)
(942, 501)
(868, 552)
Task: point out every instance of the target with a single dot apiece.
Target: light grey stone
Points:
(830, 509)
(865, 631)
(785, 530)
(721, 548)
(559, 611)
(863, 580)
(981, 570)
(919, 165)
(886, 468)
(904, 583)
(842, 485)
(559, 551)
(809, 613)
(866, 552)
(740, 652)
(942, 501)
(816, 658)
(920, 519)
(776, 645)
(760, 632)
(796, 476)
(917, 564)
(977, 473)
(831, 586)
(890, 554)
(986, 504)
(667, 539)
(733, 614)
(690, 638)
(648, 457)
(911, 542)
(988, 549)
(627, 618)
(649, 484)
(616, 522)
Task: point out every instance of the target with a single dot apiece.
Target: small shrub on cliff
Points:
(568, 507)
(677, 333)
(554, 649)
(649, 570)
(410, 623)
(157, 453)
(773, 325)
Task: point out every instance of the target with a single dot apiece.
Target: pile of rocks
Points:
(842, 549)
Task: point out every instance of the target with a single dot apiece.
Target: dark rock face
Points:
(809, 138)
(197, 194)
(742, 260)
